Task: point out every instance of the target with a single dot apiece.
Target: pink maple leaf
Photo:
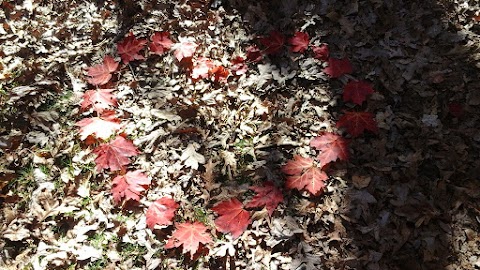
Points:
(160, 43)
(161, 212)
(129, 186)
(102, 73)
(184, 49)
(331, 146)
(114, 154)
(98, 99)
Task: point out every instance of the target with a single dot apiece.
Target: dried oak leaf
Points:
(161, 212)
(299, 42)
(304, 175)
(357, 91)
(357, 122)
(129, 186)
(232, 217)
(191, 158)
(130, 47)
(114, 154)
(267, 195)
(331, 146)
(184, 49)
(98, 99)
(190, 235)
(338, 67)
(161, 43)
(102, 73)
(273, 43)
(101, 127)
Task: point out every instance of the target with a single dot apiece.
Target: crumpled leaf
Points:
(184, 49)
(191, 158)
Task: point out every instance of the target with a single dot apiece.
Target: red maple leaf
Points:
(114, 154)
(184, 49)
(273, 43)
(267, 195)
(299, 42)
(357, 91)
(101, 128)
(98, 99)
(190, 235)
(238, 65)
(321, 52)
(455, 109)
(331, 146)
(160, 43)
(310, 178)
(297, 165)
(220, 74)
(102, 73)
(130, 47)
(161, 212)
(129, 186)
(254, 54)
(338, 67)
(232, 217)
(357, 122)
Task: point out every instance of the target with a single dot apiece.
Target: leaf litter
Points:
(389, 197)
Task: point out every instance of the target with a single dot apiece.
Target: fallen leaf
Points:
(98, 99)
(161, 43)
(102, 73)
(304, 174)
(190, 235)
(331, 146)
(338, 67)
(130, 47)
(191, 158)
(321, 52)
(114, 154)
(267, 195)
(357, 122)
(357, 91)
(184, 49)
(232, 217)
(100, 127)
(129, 186)
(299, 42)
(273, 43)
(161, 212)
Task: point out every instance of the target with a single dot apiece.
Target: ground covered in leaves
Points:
(201, 138)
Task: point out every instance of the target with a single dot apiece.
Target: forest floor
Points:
(406, 198)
